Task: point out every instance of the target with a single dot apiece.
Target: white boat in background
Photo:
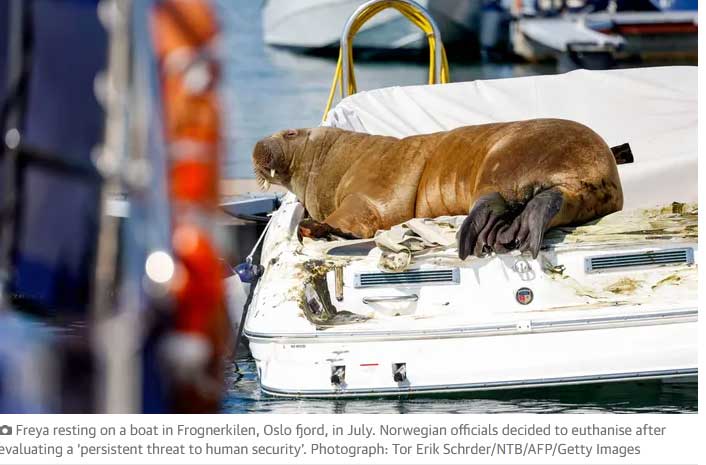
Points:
(316, 24)
(596, 39)
(611, 301)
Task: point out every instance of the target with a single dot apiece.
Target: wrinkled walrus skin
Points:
(515, 180)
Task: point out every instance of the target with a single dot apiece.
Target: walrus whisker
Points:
(262, 181)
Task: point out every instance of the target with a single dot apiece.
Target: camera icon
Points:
(5, 430)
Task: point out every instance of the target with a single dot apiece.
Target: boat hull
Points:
(652, 346)
(289, 25)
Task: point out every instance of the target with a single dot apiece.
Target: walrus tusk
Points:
(272, 173)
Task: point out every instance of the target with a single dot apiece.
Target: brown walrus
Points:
(516, 179)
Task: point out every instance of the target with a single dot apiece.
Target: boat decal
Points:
(524, 295)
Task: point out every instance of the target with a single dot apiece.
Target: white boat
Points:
(605, 36)
(317, 24)
(611, 301)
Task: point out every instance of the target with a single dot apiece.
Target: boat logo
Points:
(524, 295)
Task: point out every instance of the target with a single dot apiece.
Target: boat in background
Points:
(597, 34)
(675, 5)
(314, 26)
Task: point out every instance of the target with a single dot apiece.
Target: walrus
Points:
(515, 180)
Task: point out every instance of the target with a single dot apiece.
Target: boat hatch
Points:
(408, 278)
(360, 249)
(681, 256)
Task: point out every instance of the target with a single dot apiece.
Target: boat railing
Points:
(414, 12)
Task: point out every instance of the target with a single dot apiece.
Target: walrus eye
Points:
(290, 133)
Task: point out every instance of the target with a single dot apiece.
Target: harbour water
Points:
(267, 90)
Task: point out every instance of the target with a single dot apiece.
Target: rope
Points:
(411, 13)
(250, 256)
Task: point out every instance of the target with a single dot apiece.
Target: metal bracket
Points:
(346, 38)
(524, 326)
(391, 298)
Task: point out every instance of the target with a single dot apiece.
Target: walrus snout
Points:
(268, 165)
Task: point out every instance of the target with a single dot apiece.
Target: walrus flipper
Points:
(357, 216)
(490, 225)
(527, 230)
(313, 229)
(478, 231)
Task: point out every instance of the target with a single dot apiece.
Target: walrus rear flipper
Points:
(622, 154)
(490, 226)
(488, 214)
(528, 228)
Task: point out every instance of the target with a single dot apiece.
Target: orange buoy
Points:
(184, 32)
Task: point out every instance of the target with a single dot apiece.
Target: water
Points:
(267, 90)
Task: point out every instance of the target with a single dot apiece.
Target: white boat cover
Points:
(655, 110)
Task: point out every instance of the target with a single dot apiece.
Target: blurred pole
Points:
(114, 334)
(11, 117)
(114, 16)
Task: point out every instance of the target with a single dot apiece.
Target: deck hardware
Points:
(338, 274)
(338, 374)
(420, 17)
(522, 266)
(438, 71)
(524, 295)
(399, 372)
(430, 277)
(391, 298)
(524, 326)
(664, 257)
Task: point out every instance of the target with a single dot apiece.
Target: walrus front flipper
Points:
(316, 230)
(356, 216)
(528, 228)
(488, 215)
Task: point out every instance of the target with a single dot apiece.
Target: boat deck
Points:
(482, 293)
